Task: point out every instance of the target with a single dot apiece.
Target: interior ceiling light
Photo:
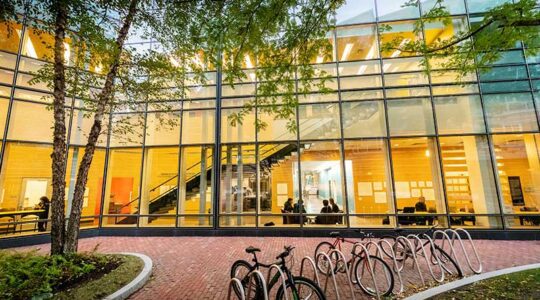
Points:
(347, 51)
(248, 62)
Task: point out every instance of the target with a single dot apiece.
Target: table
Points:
(17, 215)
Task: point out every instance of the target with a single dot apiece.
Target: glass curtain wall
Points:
(390, 145)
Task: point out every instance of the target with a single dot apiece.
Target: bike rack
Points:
(331, 265)
(417, 239)
(283, 280)
(261, 277)
(370, 265)
(446, 237)
(395, 264)
(378, 251)
(238, 283)
(408, 244)
(316, 276)
(347, 271)
(455, 234)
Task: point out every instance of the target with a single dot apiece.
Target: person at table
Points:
(420, 206)
(299, 207)
(326, 209)
(335, 209)
(288, 206)
(44, 204)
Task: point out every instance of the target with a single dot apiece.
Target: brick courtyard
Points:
(198, 267)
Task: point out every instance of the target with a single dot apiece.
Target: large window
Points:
(122, 191)
(159, 186)
(321, 179)
(363, 119)
(468, 175)
(367, 170)
(459, 114)
(410, 117)
(518, 167)
(417, 179)
(238, 183)
(510, 112)
(319, 121)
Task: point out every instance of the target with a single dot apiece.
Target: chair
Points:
(29, 218)
(533, 220)
(407, 220)
(6, 223)
(285, 218)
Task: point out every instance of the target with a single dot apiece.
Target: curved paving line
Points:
(136, 283)
(468, 280)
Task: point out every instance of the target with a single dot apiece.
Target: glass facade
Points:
(392, 146)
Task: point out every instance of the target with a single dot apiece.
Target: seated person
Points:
(299, 207)
(421, 205)
(326, 209)
(335, 209)
(287, 208)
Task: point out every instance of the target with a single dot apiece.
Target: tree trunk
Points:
(104, 98)
(59, 144)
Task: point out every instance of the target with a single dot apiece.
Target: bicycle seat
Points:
(335, 234)
(252, 249)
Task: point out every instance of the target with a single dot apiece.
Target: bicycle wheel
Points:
(449, 265)
(383, 276)
(320, 261)
(241, 269)
(305, 289)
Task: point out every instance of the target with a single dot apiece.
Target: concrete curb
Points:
(468, 280)
(136, 283)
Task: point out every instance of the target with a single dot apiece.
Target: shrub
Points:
(29, 275)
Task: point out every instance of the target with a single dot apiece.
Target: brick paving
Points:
(198, 267)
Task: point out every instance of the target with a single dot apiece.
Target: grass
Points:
(106, 284)
(519, 285)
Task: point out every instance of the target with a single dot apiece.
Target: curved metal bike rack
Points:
(261, 277)
(395, 267)
(456, 235)
(446, 237)
(331, 265)
(347, 271)
(316, 276)
(428, 262)
(412, 252)
(282, 276)
(238, 283)
(370, 265)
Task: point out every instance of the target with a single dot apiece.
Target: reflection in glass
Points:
(30, 122)
(319, 121)
(363, 119)
(162, 128)
(354, 11)
(459, 114)
(396, 10)
(201, 126)
(510, 112)
(239, 132)
(410, 117)
(401, 30)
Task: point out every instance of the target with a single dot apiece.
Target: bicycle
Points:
(403, 251)
(362, 274)
(300, 287)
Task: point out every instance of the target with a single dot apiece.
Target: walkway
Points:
(198, 267)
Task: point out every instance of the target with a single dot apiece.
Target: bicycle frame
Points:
(281, 264)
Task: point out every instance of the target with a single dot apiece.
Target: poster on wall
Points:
(402, 189)
(282, 189)
(380, 197)
(364, 189)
